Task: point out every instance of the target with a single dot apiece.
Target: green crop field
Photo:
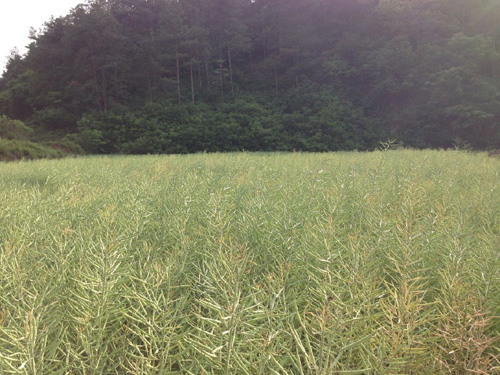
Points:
(341, 263)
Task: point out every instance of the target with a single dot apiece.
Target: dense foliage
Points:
(15, 143)
(149, 76)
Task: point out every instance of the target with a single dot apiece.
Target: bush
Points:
(53, 118)
(13, 129)
(15, 144)
(324, 123)
(158, 128)
(68, 144)
(17, 149)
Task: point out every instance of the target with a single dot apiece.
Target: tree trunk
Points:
(276, 76)
(221, 77)
(208, 75)
(192, 81)
(179, 101)
(200, 76)
(96, 83)
(104, 90)
(278, 58)
(150, 90)
(279, 27)
(297, 65)
(230, 69)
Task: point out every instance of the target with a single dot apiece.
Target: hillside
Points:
(164, 76)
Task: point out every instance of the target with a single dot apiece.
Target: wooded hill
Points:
(166, 76)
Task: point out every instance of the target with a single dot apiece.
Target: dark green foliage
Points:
(319, 120)
(137, 76)
(163, 128)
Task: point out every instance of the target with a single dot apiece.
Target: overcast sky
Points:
(17, 16)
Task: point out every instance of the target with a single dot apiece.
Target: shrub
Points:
(18, 149)
(13, 129)
(68, 144)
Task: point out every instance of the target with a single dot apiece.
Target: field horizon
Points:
(385, 262)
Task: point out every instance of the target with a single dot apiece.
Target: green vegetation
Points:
(346, 263)
(177, 76)
(11, 150)
(15, 143)
(13, 129)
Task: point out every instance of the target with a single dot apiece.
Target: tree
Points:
(323, 74)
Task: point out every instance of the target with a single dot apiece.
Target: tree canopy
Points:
(160, 76)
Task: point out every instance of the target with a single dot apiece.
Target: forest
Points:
(182, 76)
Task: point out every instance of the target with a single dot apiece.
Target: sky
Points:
(18, 16)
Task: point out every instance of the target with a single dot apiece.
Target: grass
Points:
(346, 263)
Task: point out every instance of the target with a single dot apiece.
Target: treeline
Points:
(160, 76)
